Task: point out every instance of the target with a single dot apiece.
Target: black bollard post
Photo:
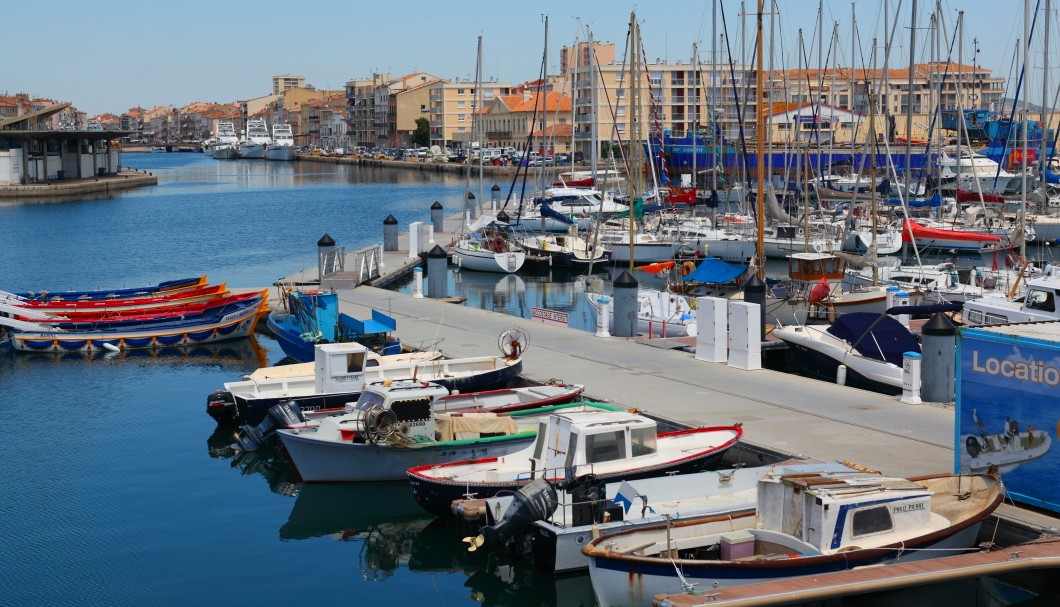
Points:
(437, 217)
(939, 365)
(754, 291)
(390, 233)
(437, 273)
(470, 206)
(625, 305)
(495, 193)
(325, 247)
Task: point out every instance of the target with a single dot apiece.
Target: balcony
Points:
(498, 134)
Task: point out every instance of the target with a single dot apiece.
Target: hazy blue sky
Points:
(109, 55)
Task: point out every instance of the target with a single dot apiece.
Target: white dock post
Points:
(911, 378)
(379, 258)
(414, 238)
(892, 292)
(902, 299)
(712, 329)
(417, 283)
(603, 314)
(745, 335)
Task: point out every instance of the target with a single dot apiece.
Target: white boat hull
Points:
(643, 252)
(225, 153)
(484, 260)
(279, 152)
(252, 150)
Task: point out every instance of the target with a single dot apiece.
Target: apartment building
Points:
(404, 109)
(360, 109)
(286, 81)
(510, 119)
(452, 109)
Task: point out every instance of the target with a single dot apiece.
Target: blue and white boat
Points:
(310, 317)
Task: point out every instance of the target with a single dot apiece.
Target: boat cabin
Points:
(811, 267)
(1040, 303)
(833, 512)
(578, 440)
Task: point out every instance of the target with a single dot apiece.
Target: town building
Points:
(452, 108)
(286, 81)
(510, 119)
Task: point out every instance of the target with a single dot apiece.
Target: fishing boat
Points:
(340, 372)
(178, 309)
(486, 247)
(610, 445)
(1006, 450)
(804, 524)
(396, 425)
(217, 323)
(309, 317)
(552, 538)
(162, 288)
(282, 145)
(257, 139)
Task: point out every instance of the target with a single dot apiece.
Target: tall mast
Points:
(773, 10)
(960, 93)
(1026, 72)
(870, 140)
(713, 94)
(594, 135)
(478, 117)
(1045, 91)
(909, 97)
(695, 99)
(634, 126)
(853, 55)
(759, 122)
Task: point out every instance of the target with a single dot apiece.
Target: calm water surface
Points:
(119, 489)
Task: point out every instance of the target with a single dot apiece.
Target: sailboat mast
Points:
(759, 140)
(870, 144)
(594, 135)
(909, 97)
(713, 97)
(478, 119)
(960, 93)
(634, 126)
(1045, 91)
(1026, 71)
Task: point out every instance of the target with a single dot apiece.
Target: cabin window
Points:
(642, 441)
(539, 444)
(354, 362)
(605, 447)
(870, 521)
(1041, 300)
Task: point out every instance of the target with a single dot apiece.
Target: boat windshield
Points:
(369, 399)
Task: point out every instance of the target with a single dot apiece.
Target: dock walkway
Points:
(780, 412)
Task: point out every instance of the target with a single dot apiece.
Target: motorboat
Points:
(804, 524)
(396, 425)
(282, 145)
(488, 247)
(257, 139)
(552, 538)
(1006, 450)
(226, 146)
(660, 313)
(563, 250)
(340, 372)
(1038, 303)
(974, 167)
(310, 316)
(609, 445)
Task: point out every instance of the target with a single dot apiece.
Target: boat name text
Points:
(909, 508)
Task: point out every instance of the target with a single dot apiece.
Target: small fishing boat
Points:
(341, 371)
(552, 538)
(101, 306)
(1039, 303)
(218, 323)
(611, 445)
(179, 309)
(805, 524)
(1006, 450)
(162, 288)
(395, 425)
(309, 317)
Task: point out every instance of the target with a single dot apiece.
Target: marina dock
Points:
(102, 185)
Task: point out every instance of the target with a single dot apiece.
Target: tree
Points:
(422, 135)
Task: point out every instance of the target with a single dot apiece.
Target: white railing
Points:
(367, 263)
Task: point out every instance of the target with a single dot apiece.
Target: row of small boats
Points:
(173, 313)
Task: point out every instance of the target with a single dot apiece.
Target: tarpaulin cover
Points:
(548, 211)
(889, 339)
(715, 270)
(934, 201)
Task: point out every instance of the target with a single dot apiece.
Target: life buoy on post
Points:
(497, 244)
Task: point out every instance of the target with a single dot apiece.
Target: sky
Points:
(110, 55)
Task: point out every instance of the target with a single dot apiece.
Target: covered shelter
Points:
(32, 153)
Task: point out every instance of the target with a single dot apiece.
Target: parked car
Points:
(563, 158)
(578, 157)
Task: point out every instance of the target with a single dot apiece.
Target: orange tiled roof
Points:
(556, 130)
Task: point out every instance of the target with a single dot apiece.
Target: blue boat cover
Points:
(1050, 176)
(379, 323)
(548, 211)
(934, 201)
(887, 341)
(715, 270)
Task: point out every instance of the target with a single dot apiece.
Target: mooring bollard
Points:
(892, 296)
(603, 314)
(939, 347)
(325, 246)
(437, 216)
(911, 378)
(417, 283)
(495, 192)
(712, 329)
(625, 296)
(437, 273)
(390, 233)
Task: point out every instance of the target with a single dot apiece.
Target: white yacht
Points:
(974, 167)
(226, 141)
(257, 139)
(282, 146)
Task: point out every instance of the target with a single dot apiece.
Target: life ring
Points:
(687, 268)
(497, 245)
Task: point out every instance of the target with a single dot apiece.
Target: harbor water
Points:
(119, 489)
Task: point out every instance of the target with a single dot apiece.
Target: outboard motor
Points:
(588, 497)
(281, 415)
(222, 407)
(535, 501)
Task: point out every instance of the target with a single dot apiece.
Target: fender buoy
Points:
(687, 268)
(819, 291)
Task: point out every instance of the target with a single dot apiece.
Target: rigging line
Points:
(735, 93)
(1015, 101)
(935, 110)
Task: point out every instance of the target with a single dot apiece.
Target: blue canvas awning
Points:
(887, 340)
(716, 271)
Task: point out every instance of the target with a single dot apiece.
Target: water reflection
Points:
(269, 461)
(345, 509)
(241, 355)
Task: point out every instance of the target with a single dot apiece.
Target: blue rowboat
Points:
(169, 286)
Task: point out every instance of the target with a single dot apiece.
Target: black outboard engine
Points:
(281, 415)
(222, 407)
(535, 501)
(588, 497)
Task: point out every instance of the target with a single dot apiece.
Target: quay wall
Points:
(126, 179)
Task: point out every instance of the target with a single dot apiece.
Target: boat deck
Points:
(1043, 554)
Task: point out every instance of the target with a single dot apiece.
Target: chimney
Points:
(526, 95)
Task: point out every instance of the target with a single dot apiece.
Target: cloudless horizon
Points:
(113, 55)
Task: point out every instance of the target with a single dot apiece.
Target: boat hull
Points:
(328, 461)
(823, 366)
(484, 260)
(225, 153)
(252, 150)
(279, 152)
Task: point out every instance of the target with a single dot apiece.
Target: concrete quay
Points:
(780, 412)
(123, 180)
